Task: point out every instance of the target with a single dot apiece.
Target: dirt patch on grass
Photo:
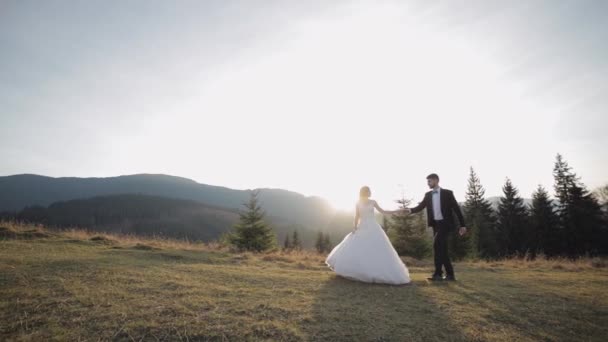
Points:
(103, 240)
(174, 286)
(172, 256)
(145, 247)
(73, 241)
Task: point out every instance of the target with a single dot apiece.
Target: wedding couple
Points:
(366, 254)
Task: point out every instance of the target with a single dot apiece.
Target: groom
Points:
(440, 204)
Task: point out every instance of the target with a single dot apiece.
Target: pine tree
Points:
(295, 241)
(545, 233)
(601, 194)
(251, 232)
(320, 243)
(327, 243)
(480, 220)
(408, 233)
(512, 222)
(579, 213)
(287, 243)
(323, 243)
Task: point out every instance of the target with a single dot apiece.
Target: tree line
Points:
(574, 223)
(132, 214)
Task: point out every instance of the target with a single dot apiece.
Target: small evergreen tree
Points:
(295, 241)
(408, 233)
(251, 233)
(480, 220)
(327, 243)
(512, 225)
(320, 242)
(287, 243)
(323, 243)
(545, 234)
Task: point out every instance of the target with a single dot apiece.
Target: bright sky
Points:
(318, 97)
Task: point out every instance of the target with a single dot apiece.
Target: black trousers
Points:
(440, 248)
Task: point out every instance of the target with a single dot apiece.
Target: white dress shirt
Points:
(437, 204)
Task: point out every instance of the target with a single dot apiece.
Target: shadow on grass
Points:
(160, 256)
(108, 258)
(347, 310)
(533, 313)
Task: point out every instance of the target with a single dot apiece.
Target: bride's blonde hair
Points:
(365, 192)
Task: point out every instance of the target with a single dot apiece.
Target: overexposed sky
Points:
(318, 97)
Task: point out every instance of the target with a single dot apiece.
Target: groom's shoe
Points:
(435, 277)
(450, 278)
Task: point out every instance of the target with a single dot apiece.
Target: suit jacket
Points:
(449, 205)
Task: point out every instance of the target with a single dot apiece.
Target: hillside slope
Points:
(156, 215)
(74, 286)
(19, 191)
(136, 214)
(152, 215)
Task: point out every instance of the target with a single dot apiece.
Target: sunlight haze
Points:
(316, 97)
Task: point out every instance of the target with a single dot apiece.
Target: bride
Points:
(366, 254)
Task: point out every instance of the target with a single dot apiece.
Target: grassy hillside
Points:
(78, 286)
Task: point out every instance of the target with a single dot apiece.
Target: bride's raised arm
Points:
(385, 212)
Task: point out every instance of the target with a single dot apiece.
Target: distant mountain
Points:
(155, 215)
(286, 210)
(135, 214)
(19, 191)
(163, 204)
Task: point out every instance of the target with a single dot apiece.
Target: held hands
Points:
(462, 231)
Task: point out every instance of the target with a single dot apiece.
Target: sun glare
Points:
(341, 97)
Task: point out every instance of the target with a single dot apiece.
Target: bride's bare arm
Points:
(385, 212)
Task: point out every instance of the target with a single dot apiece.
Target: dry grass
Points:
(77, 285)
(22, 232)
(566, 264)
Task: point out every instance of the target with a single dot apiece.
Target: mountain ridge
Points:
(21, 190)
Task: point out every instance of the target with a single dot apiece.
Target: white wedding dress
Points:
(367, 254)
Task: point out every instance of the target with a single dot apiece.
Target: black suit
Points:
(441, 228)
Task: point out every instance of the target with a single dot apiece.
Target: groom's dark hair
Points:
(433, 176)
